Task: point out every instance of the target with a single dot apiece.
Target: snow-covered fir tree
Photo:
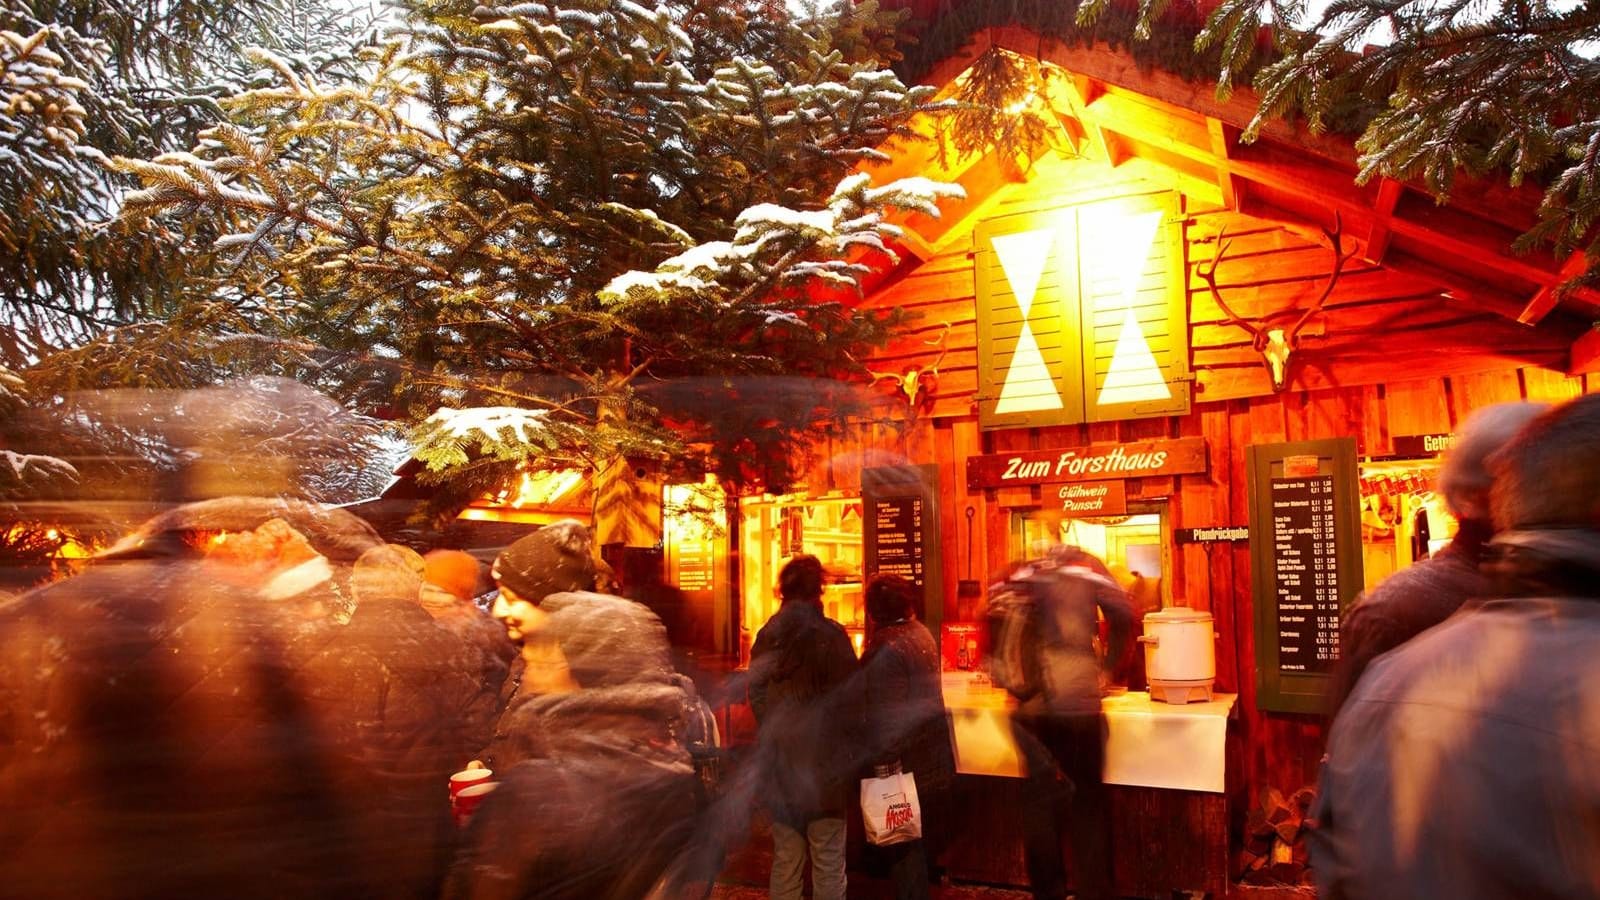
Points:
(568, 233)
(84, 80)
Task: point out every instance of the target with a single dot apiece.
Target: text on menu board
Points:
(1305, 547)
(897, 547)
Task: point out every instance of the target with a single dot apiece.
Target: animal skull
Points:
(1275, 351)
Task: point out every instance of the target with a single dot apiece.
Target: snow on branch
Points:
(774, 243)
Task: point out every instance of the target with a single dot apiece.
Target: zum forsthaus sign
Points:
(1098, 462)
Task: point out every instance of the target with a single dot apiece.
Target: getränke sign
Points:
(1097, 462)
(1422, 444)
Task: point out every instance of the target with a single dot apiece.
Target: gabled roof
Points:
(1173, 131)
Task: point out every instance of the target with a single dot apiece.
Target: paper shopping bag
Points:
(890, 808)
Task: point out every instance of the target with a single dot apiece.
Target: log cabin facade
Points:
(1126, 287)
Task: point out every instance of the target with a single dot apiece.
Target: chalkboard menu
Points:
(1305, 545)
(1306, 565)
(897, 548)
(901, 531)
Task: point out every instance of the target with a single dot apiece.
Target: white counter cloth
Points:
(1149, 743)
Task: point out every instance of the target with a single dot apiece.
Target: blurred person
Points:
(597, 793)
(905, 716)
(155, 739)
(1462, 764)
(405, 702)
(1059, 728)
(1421, 596)
(451, 579)
(799, 666)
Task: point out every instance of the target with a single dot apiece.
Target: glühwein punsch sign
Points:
(1098, 462)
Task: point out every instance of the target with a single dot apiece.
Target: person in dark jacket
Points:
(597, 794)
(1060, 730)
(905, 716)
(157, 737)
(1463, 763)
(405, 704)
(799, 666)
(1425, 594)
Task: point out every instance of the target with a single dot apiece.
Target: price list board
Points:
(897, 548)
(901, 531)
(1305, 543)
(1306, 565)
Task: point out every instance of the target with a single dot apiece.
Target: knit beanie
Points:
(607, 640)
(556, 558)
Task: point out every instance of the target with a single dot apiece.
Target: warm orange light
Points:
(543, 488)
(859, 640)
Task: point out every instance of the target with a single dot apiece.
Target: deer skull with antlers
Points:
(1277, 345)
(916, 383)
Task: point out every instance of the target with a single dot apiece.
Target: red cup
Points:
(467, 799)
(467, 778)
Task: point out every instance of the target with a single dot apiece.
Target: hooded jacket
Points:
(597, 793)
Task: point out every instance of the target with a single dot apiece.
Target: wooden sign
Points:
(1305, 507)
(1097, 462)
(1088, 498)
(1219, 535)
(1422, 444)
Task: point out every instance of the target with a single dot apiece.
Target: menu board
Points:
(696, 562)
(1305, 544)
(1305, 551)
(897, 547)
(900, 532)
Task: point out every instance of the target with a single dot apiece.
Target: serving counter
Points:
(1167, 765)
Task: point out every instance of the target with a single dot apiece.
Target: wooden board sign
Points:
(1305, 507)
(1097, 462)
(1088, 498)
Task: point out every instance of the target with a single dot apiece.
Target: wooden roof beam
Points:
(1548, 297)
(1221, 140)
(1585, 354)
(1078, 93)
(1378, 233)
(1490, 250)
(1455, 287)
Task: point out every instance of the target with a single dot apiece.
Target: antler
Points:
(944, 348)
(1209, 276)
(1335, 239)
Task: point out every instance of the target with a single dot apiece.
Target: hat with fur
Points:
(556, 558)
(1465, 478)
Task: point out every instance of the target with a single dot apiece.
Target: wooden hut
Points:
(1180, 344)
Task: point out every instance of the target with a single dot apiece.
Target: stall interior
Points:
(1131, 546)
(1403, 518)
(777, 528)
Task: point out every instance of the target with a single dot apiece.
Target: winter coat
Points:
(403, 702)
(1068, 599)
(905, 713)
(809, 744)
(156, 741)
(597, 792)
(1463, 763)
(1406, 604)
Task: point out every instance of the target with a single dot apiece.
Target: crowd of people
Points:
(263, 699)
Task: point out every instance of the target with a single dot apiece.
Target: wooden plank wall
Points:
(1378, 323)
